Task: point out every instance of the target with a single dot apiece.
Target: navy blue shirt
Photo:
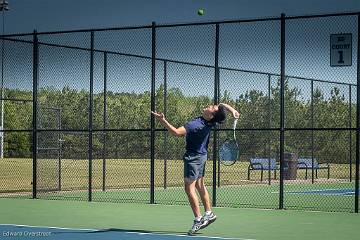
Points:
(197, 135)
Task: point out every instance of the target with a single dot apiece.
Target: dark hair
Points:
(219, 115)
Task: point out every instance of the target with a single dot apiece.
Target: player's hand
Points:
(236, 114)
(160, 116)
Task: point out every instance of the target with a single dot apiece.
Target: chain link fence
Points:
(76, 122)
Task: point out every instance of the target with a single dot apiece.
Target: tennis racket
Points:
(229, 150)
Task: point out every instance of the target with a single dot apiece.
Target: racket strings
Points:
(229, 150)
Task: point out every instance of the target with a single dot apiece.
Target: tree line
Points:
(129, 113)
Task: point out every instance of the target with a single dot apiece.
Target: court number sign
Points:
(340, 50)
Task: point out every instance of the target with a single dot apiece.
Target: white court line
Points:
(19, 225)
(98, 230)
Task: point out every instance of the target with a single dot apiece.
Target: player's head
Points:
(215, 113)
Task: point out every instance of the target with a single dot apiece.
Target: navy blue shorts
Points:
(194, 165)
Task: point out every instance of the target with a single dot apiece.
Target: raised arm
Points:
(232, 110)
(181, 131)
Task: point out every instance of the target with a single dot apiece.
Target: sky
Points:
(55, 15)
(251, 47)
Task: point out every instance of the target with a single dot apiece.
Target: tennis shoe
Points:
(208, 219)
(196, 226)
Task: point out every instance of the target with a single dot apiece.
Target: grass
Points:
(128, 180)
(16, 173)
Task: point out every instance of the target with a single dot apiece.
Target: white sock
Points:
(208, 212)
(198, 219)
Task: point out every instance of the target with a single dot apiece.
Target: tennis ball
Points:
(201, 12)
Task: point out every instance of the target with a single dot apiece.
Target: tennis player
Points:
(197, 132)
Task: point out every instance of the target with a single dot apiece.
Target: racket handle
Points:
(234, 123)
(234, 127)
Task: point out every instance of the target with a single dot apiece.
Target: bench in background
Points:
(262, 164)
(307, 163)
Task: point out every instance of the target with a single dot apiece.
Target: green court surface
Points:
(176, 220)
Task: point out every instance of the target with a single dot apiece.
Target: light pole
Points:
(4, 6)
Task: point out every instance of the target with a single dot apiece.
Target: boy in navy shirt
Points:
(197, 132)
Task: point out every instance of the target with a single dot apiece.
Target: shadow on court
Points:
(141, 231)
(13, 232)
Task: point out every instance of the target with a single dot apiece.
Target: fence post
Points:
(282, 111)
(357, 121)
(59, 147)
(269, 126)
(152, 131)
(104, 123)
(166, 132)
(312, 131)
(350, 133)
(35, 106)
(216, 101)
(91, 112)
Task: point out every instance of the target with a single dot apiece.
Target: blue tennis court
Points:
(12, 232)
(330, 192)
